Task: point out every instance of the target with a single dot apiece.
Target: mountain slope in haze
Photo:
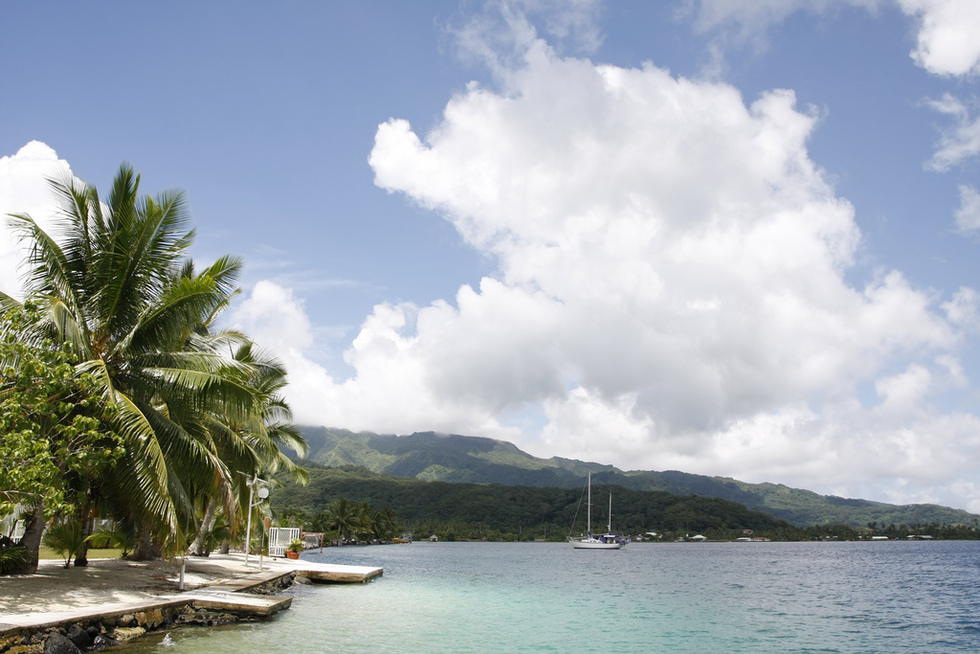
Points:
(468, 459)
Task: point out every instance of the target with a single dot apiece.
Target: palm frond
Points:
(8, 303)
(50, 273)
(168, 323)
(65, 323)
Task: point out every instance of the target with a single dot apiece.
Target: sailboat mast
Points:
(588, 507)
(609, 524)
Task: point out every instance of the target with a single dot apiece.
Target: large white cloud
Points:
(670, 294)
(694, 253)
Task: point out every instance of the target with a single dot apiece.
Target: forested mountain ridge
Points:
(453, 458)
(462, 511)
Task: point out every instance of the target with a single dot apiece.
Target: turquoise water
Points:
(704, 597)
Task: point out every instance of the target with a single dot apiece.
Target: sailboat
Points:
(606, 541)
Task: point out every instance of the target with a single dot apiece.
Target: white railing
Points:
(279, 539)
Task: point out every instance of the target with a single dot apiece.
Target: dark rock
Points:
(223, 618)
(79, 636)
(206, 618)
(101, 641)
(58, 644)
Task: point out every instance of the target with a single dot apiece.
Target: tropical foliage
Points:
(49, 418)
(195, 412)
(13, 557)
(510, 513)
(354, 522)
(341, 520)
(65, 538)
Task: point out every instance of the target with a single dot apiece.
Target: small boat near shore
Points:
(590, 541)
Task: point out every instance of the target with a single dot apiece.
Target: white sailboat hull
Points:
(595, 544)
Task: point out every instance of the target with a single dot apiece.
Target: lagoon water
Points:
(696, 597)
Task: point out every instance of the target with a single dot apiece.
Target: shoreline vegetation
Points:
(492, 512)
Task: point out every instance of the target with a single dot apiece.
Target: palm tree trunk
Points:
(33, 529)
(147, 548)
(198, 546)
(81, 556)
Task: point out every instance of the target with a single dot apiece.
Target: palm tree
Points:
(115, 290)
(254, 446)
(344, 516)
(384, 524)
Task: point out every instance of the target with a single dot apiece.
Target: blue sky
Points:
(729, 237)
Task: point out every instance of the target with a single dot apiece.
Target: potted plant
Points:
(294, 548)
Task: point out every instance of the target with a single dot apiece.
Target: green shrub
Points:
(13, 557)
(65, 538)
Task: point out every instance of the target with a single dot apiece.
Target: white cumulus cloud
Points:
(947, 35)
(25, 188)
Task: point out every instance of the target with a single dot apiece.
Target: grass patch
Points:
(112, 553)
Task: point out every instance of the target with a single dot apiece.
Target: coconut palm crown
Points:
(117, 289)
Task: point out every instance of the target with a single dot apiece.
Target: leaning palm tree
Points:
(111, 290)
(254, 446)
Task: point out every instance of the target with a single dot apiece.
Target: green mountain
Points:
(428, 456)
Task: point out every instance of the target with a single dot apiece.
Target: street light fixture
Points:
(263, 493)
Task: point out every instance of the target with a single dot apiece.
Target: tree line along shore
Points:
(460, 511)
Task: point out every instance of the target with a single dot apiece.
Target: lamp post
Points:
(263, 493)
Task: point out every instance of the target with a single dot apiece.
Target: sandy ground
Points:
(53, 588)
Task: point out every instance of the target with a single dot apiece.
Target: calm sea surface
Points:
(697, 597)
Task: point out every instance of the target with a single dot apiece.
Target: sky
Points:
(728, 237)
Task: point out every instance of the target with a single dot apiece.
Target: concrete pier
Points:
(326, 573)
(228, 596)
